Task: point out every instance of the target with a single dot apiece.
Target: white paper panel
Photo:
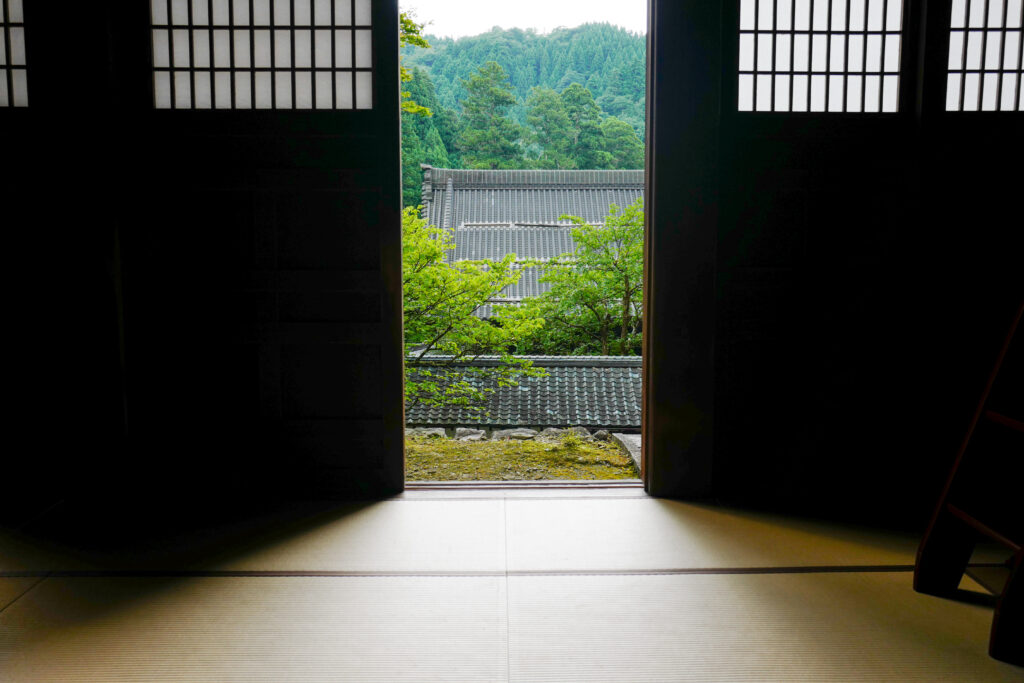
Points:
(800, 93)
(820, 9)
(261, 13)
(161, 48)
(261, 44)
(182, 54)
(854, 89)
(953, 92)
(802, 18)
(200, 13)
(838, 15)
(764, 20)
(856, 59)
(784, 18)
(782, 49)
(995, 13)
(324, 90)
(872, 93)
(17, 45)
(204, 94)
(782, 93)
(890, 94)
(363, 17)
(179, 12)
(801, 52)
(243, 90)
(892, 53)
(990, 93)
(1014, 12)
(1009, 88)
(343, 89)
(158, 12)
(282, 49)
(241, 13)
(875, 15)
(241, 39)
(322, 48)
(283, 89)
(222, 90)
(746, 92)
(858, 9)
(364, 90)
(221, 13)
(221, 48)
(182, 90)
(192, 46)
(837, 53)
(835, 93)
(894, 21)
(201, 48)
(764, 52)
(303, 90)
(282, 12)
(322, 12)
(342, 12)
(364, 50)
(764, 92)
(746, 15)
(956, 46)
(161, 87)
(264, 90)
(993, 50)
(817, 93)
(958, 13)
(343, 48)
(301, 13)
(1011, 50)
(746, 52)
(976, 15)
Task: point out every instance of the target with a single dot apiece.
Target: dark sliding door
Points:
(260, 244)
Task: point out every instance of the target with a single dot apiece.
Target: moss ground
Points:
(435, 459)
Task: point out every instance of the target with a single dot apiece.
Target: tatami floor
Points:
(445, 586)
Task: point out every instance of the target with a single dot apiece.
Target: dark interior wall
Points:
(827, 292)
(207, 302)
(865, 268)
(63, 377)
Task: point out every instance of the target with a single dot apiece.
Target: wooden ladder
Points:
(991, 455)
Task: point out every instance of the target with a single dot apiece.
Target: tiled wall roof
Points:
(597, 392)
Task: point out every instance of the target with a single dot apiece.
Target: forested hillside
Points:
(606, 60)
(573, 98)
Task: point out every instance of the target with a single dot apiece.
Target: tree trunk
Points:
(626, 303)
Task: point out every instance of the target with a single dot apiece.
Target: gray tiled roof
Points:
(494, 213)
(455, 197)
(526, 242)
(587, 391)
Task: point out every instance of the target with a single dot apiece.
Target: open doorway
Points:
(523, 144)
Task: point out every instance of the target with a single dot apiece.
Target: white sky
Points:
(458, 18)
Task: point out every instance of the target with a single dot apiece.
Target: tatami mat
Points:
(854, 627)
(11, 589)
(648, 533)
(531, 590)
(386, 630)
(387, 536)
(391, 536)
